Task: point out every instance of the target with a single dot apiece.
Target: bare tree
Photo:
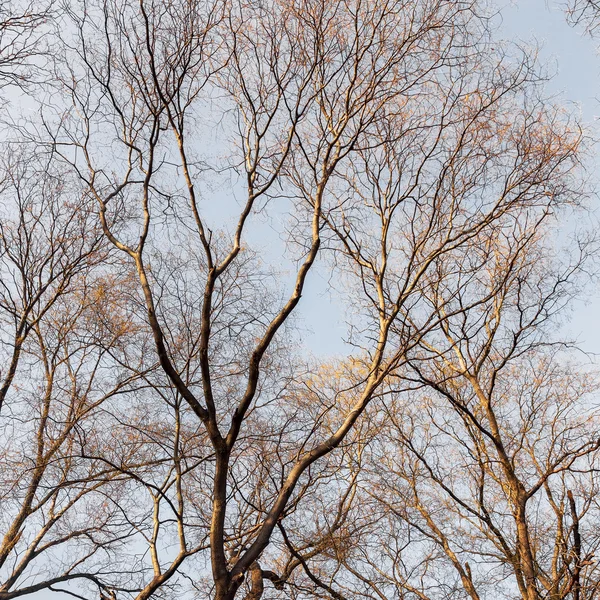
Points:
(387, 143)
(469, 532)
(89, 487)
(586, 13)
(23, 29)
(56, 337)
(490, 471)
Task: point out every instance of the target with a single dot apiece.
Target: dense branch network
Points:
(196, 167)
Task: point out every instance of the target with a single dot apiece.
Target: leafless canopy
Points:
(197, 167)
(586, 13)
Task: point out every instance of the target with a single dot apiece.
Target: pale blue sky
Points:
(572, 53)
